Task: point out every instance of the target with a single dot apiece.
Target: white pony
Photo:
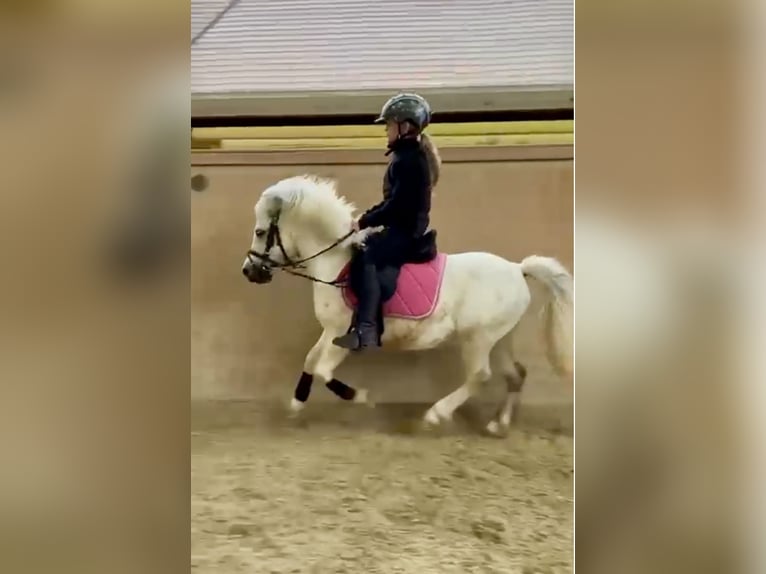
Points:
(301, 225)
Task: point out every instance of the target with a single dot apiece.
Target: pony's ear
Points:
(275, 208)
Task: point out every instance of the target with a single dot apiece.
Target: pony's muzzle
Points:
(257, 272)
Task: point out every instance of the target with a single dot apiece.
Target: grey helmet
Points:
(406, 108)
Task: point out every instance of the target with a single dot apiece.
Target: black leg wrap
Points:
(342, 390)
(303, 388)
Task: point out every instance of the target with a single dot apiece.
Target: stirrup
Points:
(353, 341)
(348, 341)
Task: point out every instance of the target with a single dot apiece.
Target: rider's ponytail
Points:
(433, 157)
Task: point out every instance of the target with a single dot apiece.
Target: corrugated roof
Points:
(204, 12)
(356, 45)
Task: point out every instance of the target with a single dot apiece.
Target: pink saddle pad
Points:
(417, 290)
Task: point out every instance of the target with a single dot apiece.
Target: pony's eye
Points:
(260, 232)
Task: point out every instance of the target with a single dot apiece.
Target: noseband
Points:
(289, 265)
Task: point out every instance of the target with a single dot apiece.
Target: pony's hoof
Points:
(496, 429)
(433, 419)
(295, 408)
(362, 397)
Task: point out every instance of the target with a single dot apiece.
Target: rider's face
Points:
(392, 131)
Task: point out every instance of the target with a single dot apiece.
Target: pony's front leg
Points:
(322, 360)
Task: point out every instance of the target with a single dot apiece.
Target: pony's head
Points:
(294, 218)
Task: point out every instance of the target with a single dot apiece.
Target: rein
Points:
(290, 266)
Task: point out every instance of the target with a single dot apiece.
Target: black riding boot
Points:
(364, 332)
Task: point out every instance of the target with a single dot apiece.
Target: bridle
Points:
(290, 265)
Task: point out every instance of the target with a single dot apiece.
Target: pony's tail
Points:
(433, 157)
(558, 311)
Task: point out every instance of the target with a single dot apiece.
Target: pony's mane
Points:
(311, 195)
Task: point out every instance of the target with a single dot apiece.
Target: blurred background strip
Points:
(481, 134)
(331, 57)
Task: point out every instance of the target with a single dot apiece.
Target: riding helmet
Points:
(406, 108)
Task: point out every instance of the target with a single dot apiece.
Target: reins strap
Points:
(323, 251)
(334, 283)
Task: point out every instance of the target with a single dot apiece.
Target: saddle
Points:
(425, 248)
(424, 251)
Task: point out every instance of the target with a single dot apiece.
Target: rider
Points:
(403, 214)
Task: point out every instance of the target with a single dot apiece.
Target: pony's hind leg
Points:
(514, 374)
(475, 354)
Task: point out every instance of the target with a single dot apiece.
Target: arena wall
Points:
(249, 341)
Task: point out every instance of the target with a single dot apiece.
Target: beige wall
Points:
(249, 341)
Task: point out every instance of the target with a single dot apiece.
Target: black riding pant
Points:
(387, 249)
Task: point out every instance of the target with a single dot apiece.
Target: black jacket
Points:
(406, 193)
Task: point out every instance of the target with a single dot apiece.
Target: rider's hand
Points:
(355, 226)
